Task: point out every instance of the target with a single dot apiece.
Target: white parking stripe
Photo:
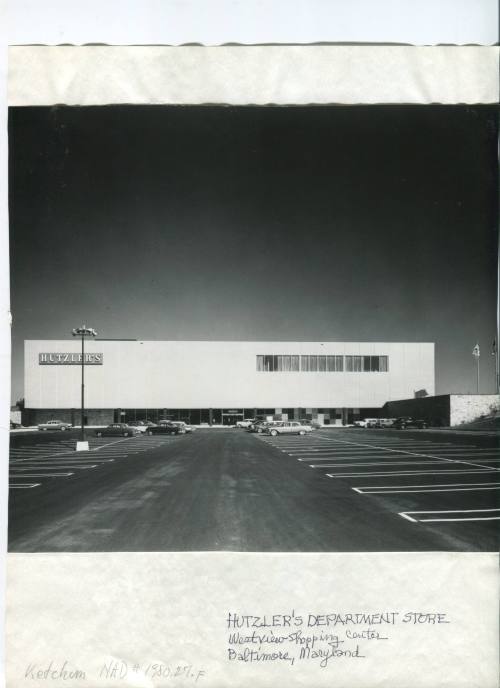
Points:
(388, 487)
(41, 475)
(74, 467)
(376, 463)
(394, 473)
(403, 451)
(436, 449)
(20, 486)
(429, 489)
(406, 514)
(383, 462)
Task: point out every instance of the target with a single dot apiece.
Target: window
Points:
(367, 364)
(278, 363)
(292, 363)
(354, 364)
(334, 364)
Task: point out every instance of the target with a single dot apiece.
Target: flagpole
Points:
(476, 353)
(497, 372)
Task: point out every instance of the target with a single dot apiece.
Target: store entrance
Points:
(231, 418)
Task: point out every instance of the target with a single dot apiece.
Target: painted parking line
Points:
(65, 459)
(383, 460)
(376, 463)
(409, 453)
(442, 487)
(20, 486)
(383, 474)
(75, 467)
(489, 515)
(438, 447)
(487, 456)
(41, 475)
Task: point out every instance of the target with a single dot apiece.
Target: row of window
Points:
(322, 364)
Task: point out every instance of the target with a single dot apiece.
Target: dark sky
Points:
(365, 223)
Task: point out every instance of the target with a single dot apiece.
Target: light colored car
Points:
(139, 424)
(384, 423)
(246, 423)
(365, 423)
(287, 427)
(183, 427)
(54, 425)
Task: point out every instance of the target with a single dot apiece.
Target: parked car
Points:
(181, 425)
(407, 422)
(118, 429)
(246, 423)
(166, 428)
(384, 423)
(314, 425)
(261, 425)
(139, 424)
(285, 427)
(365, 423)
(54, 425)
(253, 426)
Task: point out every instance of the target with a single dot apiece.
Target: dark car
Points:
(164, 429)
(118, 429)
(407, 422)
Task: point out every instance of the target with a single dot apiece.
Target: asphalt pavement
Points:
(337, 490)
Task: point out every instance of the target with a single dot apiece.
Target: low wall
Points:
(446, 409)
(466, 408)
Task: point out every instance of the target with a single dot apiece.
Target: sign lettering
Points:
(70, 359)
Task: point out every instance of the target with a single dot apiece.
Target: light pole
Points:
(477, 354)
(83, 332)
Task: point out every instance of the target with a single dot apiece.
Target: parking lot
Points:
(49, 456)
(421, 480)
(332, 490)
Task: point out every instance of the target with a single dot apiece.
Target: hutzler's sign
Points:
(70, 359)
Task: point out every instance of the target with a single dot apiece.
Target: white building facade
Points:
(221, 382)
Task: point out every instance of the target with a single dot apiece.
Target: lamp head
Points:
(84, 332)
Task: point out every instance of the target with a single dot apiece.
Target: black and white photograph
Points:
(254, 329)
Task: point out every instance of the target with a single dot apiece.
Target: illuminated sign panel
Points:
(70, 359)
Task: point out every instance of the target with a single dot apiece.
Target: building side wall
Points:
(434, 410)
(466, 408)
(221, 375)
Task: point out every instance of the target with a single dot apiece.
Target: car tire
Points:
(98, 434)
(273, 433)
(125, 434)
(44, 429)
(63, 429)
(149, 432)
(302, 432)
